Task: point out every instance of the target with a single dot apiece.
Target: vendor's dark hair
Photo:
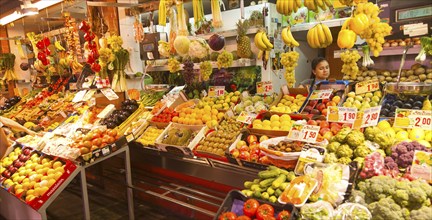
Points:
(315, 63)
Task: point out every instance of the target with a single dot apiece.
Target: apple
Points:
(255, 150)
(325, 101)
(26, 151)
(324, 130)
(244, 148)
(240, 144)
(254, 157)
(331, 103)
(22, 157)
(244, 155)
(251, 138)
(327, 135)
(6, 174)
(312, 122)
(324, 112)
(12, 169)
(315, 112)
(320, 106)
(312, 103)
(335, 129)
(17, 163)
(263, 138)
(235, 152)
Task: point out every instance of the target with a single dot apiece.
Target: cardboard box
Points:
(102, 101)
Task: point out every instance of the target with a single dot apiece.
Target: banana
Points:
(279, 6)
(316, 37)
(311, 5)
(285, 37)
(328, 3)
(285, 7)
(58, 46)
(328, 34)
(294, 43)
(298, 3)
(266, 41)
(290, 6)
(321, 35)
(309, 38)
(260, 54)
(259, 41)
(321, 4)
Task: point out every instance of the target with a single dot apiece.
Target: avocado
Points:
(418, 104)
(407, 106)
(398, 103)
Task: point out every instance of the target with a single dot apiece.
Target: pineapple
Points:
(243, 41)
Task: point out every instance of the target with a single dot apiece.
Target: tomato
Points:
(243, 217)
(265, 211)
(283, 215)
(228, 216)
(250, 207)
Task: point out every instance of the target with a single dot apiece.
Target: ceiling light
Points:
(38, 6)
(29, 11)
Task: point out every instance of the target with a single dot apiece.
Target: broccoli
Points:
(362, 151)
(355, 138)
(421, 214)
(332, 147)
(344, 151)
(342, 134)
(357, 196)
(330, 158)
(386, 209)
(377, 187)
(344, 160)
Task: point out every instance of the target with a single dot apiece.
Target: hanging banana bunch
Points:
(264, 45)
(181, 18)
(198, 12)
(216, 13)
(286, 7)
(288, 38)
(314, 5)
(319, 36)
(162, 12)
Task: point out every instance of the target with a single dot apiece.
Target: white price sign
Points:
(371, 116)
(321, 94)
(341, 114)
(264, 87)
(110, 94)
(79, 96)
(216, 91)
(246, 117)
(304, 133)
(411, 118)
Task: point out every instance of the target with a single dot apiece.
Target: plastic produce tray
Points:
(235, 200)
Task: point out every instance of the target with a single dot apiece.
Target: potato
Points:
(419, 71)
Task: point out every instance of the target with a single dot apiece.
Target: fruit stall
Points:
(196, 107)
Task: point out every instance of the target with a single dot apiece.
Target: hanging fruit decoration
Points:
(91, 47)
(314, 5)
(216, 13)
(198, 12)
(162, 12)
(286, 7)
(73, 45)
(319, 36)
(181, 19)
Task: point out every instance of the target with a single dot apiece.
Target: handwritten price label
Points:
(79, 96)
(411, 118)
(321, 94)
(110, 94)
(371, 116)
(130, 138)
(341, 114)
(246, 118)
(366, 86)
(304, 133)
(216, 91)
(89, 95)
(264, 87)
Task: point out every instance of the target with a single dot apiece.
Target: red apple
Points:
(315, 112)
(244, 155)
(244, 148)
(235, 153)
(26, 151)
(324, 130)
(254, 157)
(324, 124)
(312, 122)
(308, 109)
(335, 129)
(324, 112)
(255, 150)
(6, 174)
(325, 101)
(312, 103)
(320, 107)
(251, 138)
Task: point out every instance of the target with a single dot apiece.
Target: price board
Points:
(366, 86)
(216, 91)
(412, 118)
(341, 114)
(110, 94)
(264, 87)
(246, 117)
(304, 133)
(370, 116)
(321, 94)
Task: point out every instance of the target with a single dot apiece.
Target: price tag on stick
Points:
(371, 116)
(264, 87)
(341, 114)
(304, 133)
(246, 117)
(366, 86)
(321, 94)
(216, 91)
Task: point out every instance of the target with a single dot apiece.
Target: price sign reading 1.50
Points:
(309, 135)
(349, 116)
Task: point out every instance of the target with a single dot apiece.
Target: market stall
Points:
(207, 107)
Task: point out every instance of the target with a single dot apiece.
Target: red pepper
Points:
(90, 59)
(41, 56)
(89, 36)
(47, 51)
(40, 45)
(45, 62)
(92, 45)
(95, 54)
(95, 67)
(46, 41)
(84, 26)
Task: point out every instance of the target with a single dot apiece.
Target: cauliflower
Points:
(330, 158)
(362, 151)
(421, 214)
(342, 134)
(198, 48)
(344, 151)
(332, 147)
(355, 138)
(344, 160)
(386, 209)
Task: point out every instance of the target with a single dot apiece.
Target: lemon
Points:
(275, 128)
(402, 135)
(286, 128)
(285, 118)
(275, 124)
(424, 143)
(428, 136)
(390, 132)
(256, 121)
(266, 123)
(416, 134)
(383, 125)
(266, 127)
(257, 126)
(274, 118)
(396, 129)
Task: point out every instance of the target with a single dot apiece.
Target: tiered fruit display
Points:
(319, 36)
(218, 141)
(289, 61)
(392, 102)
(247, 148)
(276, 123)
(10, 102)
(117, 117)
(253, 104)
(149, 136)
(223, 102)
(10, 164)
(350, 67)
(269, 185)
(363, 101)
(289, 104)
(318, 107)
(95, 139)
(165, 116)
(195, 116)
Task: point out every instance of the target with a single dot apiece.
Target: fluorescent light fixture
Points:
(36, 7)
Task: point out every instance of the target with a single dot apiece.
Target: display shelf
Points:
(236, 63)
(387, 51)
(330, 23)
(229, 33)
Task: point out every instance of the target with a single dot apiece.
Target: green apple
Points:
(350, 99)
(369, 94)
(376, 99)
(359, 98)
(351, 94)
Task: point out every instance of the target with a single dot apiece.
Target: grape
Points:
(206, 70)
(289, 61)
(188, 72)
(225, 59)
(350, 58)
(173, 65)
